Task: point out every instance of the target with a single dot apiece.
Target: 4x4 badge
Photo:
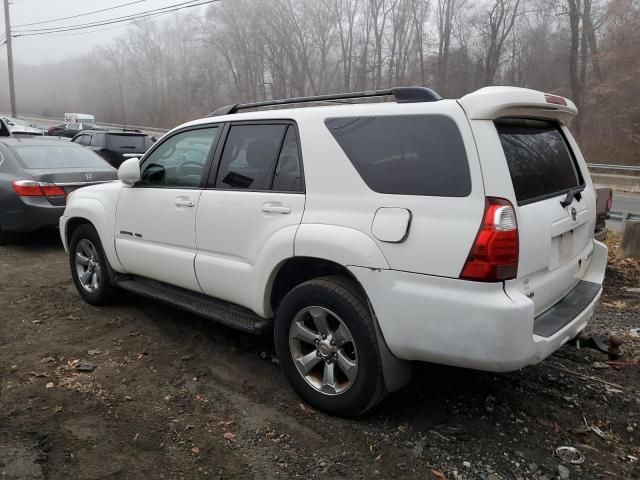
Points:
(574, 214)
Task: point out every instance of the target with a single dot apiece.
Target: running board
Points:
(219, 311)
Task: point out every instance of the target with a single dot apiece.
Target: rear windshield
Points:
(58, 156)
(134, 143)
(406, 154)
(539, 159)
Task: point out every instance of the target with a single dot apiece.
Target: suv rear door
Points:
(249, 214)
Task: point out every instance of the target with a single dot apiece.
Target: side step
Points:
(219, 311)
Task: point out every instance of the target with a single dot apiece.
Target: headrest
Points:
(261, 153)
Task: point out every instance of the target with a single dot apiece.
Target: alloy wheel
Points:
(323, 350)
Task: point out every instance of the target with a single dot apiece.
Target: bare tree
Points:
(500, 21)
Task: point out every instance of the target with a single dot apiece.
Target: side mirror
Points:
(129, 171)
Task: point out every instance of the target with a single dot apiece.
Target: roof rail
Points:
(401, 94)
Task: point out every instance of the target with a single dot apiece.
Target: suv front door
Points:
(155, 219)
(249, 214)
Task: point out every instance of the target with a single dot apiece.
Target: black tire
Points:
(5, 238)
(105, 290)
(339, 296)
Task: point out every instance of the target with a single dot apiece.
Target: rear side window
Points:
(249, 157)
(540, 162)
(406, 154)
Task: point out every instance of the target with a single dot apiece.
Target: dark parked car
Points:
(112, 145)
(37, 174)
(68, 130)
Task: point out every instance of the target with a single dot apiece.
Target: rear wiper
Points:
(571, 194)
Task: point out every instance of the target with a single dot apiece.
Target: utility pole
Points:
(7, 30)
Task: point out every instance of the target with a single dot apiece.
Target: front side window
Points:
(249, 157)
(406, 154)
(180, 160)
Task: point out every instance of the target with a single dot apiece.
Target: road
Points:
(626, 202)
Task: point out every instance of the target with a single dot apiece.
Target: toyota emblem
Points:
(89, 176)
(574, 214)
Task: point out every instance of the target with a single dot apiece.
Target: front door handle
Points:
(184, 202)
(273, 208)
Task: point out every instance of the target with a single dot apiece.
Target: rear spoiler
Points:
(490, 103)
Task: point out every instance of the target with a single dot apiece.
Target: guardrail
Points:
(50, 120)
(624, 168)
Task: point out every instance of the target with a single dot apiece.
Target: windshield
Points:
(58, 156)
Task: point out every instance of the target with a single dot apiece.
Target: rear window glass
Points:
(58, 156)
(406, 154)
(134, 143)
(540, 162)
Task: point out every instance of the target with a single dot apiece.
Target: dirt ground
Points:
(166, 395)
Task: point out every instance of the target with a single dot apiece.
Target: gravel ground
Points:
(139, 390)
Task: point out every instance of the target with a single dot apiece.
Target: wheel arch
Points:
(91, 211)
(297, 270)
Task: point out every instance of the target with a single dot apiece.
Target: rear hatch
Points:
(555, 208)
(119, 144)
(529, 157)
(63, 168)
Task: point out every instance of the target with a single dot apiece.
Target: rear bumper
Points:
(29, 214)
(468, 324)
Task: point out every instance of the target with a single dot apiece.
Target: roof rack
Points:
(401, 94)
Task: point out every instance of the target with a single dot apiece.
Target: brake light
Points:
(31, 188)
(494, 254)
(556, 100)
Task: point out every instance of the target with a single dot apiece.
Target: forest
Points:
(163, 72)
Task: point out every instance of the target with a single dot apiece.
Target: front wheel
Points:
(89, 268)
(326, 343)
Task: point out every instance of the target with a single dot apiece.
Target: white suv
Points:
(363, 235)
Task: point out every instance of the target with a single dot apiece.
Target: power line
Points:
(157, 11)
(131, 22)
(80, 14)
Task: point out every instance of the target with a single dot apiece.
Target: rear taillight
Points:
(31, 188)
(494, 255)
(609, 202)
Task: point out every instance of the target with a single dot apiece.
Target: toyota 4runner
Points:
(363, 235)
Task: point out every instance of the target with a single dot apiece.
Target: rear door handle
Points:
(272, 208)
(184, 202)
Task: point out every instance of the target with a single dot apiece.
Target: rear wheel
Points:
(326, 343)
(89, 268)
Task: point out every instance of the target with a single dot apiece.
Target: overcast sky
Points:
(40, 49)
